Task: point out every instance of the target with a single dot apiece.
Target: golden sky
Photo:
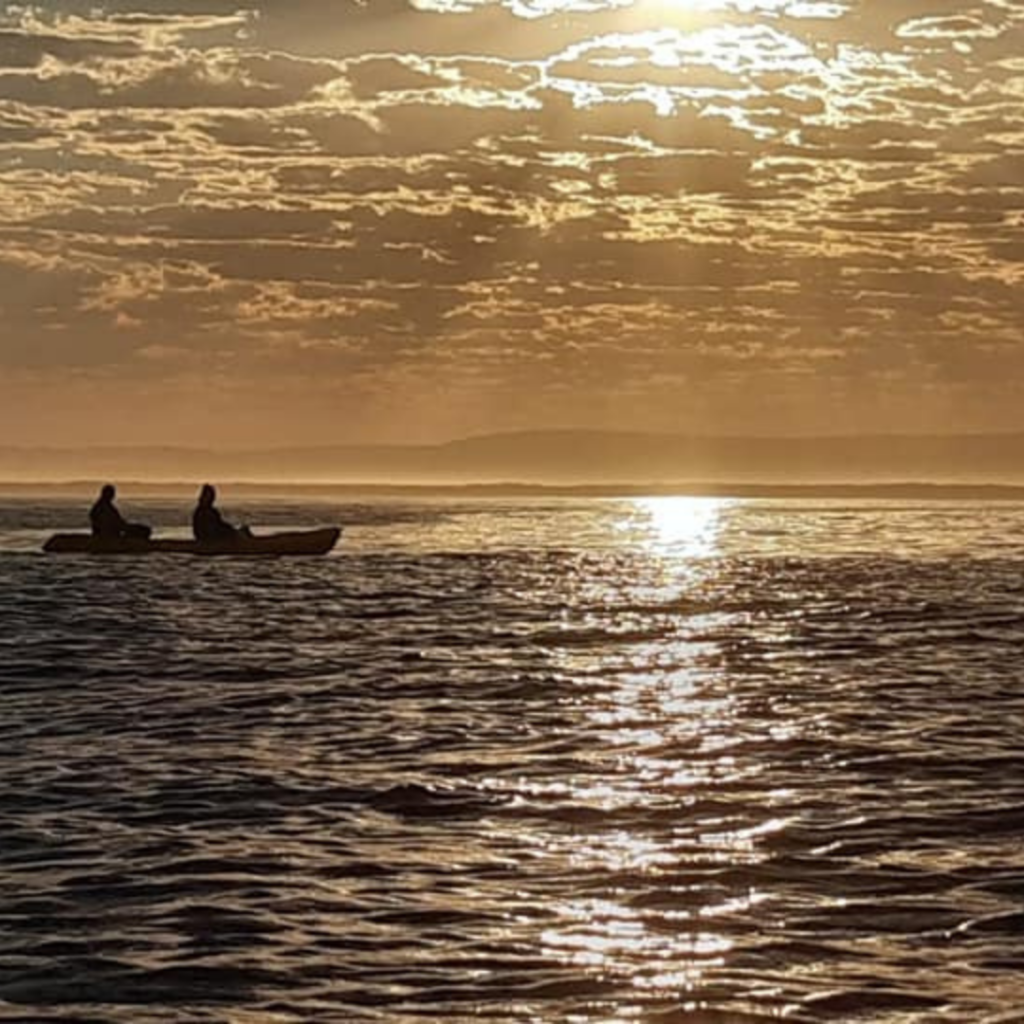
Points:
(329, 221)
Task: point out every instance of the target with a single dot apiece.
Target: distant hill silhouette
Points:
(560, 457)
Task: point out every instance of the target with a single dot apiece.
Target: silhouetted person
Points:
(208, 525)
(107, 521)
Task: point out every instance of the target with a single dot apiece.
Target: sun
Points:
(680, 6)
(676, 9)
(540, 7)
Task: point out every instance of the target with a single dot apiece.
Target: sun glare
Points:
(682, 526)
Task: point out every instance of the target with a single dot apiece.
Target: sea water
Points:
(522, 760)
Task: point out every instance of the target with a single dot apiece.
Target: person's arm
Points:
(224, 528)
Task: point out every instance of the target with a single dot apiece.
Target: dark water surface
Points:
(579, 761)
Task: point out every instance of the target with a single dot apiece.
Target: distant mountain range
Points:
(561, 458)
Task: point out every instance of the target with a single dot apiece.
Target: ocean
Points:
(596, 761)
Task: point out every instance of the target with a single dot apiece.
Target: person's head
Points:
(207, 496)
(108, 492)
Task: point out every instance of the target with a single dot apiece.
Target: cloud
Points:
(552, 203)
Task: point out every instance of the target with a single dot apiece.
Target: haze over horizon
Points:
(550, 458)
(290, 223)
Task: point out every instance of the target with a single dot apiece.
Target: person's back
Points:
(208, 525)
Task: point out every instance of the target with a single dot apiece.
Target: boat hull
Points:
(303, 542)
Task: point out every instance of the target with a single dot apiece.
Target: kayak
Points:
(302, 542)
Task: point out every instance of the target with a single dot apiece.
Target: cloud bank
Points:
(390, 221)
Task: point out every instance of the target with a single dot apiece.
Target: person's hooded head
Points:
(207, 496)
(108, 492)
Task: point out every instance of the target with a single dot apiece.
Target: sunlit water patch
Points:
(658, 760)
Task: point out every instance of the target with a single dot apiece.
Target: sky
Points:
(324, 221)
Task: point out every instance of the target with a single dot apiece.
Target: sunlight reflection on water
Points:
(668, 727)
(679, 528)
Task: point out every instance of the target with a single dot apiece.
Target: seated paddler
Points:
(208, 525)
(107, 521)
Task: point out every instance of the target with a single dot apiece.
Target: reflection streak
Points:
(666, 791)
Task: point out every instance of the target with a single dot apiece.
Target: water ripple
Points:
(461, 778)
